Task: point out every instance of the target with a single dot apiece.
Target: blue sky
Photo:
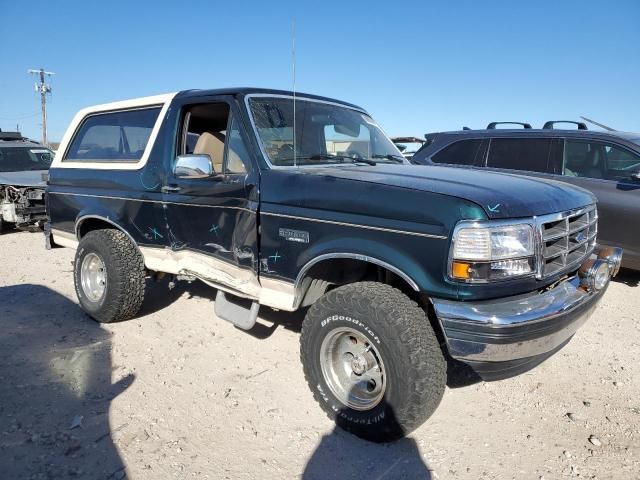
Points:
(416, 66)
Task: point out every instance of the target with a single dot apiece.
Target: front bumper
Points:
(501, 338)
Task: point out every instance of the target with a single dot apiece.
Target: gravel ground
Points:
(178, 393)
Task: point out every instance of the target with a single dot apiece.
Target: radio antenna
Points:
(293, 62)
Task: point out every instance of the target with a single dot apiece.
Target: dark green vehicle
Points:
(402, 269)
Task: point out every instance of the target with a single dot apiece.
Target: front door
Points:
(211, 221)
(605, 169)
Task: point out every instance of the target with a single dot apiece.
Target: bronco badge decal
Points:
(299, 236)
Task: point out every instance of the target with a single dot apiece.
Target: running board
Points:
(242, 312)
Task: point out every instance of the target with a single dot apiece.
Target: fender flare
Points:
(81, 218)
(374, 260)
(354, 256)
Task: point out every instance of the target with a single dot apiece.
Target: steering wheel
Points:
(354, 154)
(285, 150)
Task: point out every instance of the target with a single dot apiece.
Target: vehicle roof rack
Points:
(493, 125)
(549, 125)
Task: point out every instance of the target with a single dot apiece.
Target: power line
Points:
(22, 116)
(43, 88)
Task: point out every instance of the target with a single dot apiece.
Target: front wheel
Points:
(372, 360)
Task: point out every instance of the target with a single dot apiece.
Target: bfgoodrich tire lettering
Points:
(125, 275)
(414, 365)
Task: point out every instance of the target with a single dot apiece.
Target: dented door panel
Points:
(215, 216)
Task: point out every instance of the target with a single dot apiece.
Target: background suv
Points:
(606, 163)
(22, 165)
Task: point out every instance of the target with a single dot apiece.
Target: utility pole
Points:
(43, 89)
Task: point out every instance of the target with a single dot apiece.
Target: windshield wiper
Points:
(389, 156)
(334, 158)
(342, 158)
(324, 156)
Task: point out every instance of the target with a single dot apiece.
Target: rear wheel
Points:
(109, 276)
(372, 360)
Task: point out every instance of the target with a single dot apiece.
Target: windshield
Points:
(325, 133)
(20, 159)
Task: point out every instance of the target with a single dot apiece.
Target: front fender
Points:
(417, 260)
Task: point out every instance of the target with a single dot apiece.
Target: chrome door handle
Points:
(170, 189)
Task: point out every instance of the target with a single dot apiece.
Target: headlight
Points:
(484, 252)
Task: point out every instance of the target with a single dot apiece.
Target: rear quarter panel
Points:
(127, 194)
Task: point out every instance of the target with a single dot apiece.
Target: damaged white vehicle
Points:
(23, 168)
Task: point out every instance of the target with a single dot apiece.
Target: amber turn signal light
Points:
(460, 270)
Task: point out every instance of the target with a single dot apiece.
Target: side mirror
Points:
(193, 166)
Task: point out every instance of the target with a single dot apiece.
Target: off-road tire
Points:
(125, 272)
(413, 360)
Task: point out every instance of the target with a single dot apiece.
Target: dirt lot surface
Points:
(178, 393)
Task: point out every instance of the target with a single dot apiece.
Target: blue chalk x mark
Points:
(494, 209)
(156, 234)
(214, 229)
(275, 257)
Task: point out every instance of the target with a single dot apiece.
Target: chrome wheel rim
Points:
(353, 369)
(93, 277)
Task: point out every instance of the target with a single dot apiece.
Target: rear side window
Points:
(530, 154)
(464, 152)
(113, 137)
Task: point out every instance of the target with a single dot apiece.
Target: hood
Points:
(501, 195)
(29, 178)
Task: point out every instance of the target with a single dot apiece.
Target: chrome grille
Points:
(566, 239)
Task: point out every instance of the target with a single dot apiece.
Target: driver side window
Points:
(211, 129)
(237, 157)
(204, 131)
(620, 163)
(597, 160)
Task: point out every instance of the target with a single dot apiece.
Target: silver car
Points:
(23, 166)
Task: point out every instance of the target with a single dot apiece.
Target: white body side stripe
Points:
(230, 278)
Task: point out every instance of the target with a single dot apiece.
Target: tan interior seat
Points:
(212, 144)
